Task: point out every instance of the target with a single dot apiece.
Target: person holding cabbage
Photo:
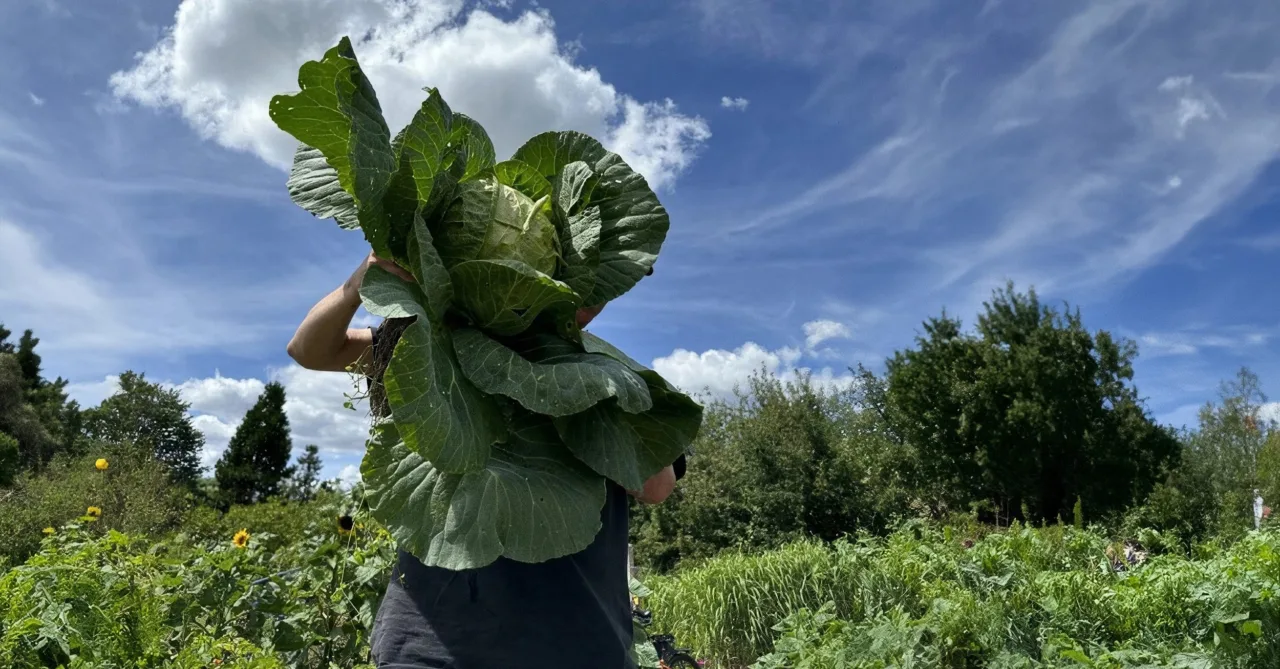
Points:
(507, 441)
(572, 611)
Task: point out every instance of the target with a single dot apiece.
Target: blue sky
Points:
(836, 173)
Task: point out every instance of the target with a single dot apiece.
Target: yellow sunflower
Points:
(47, 530)
(93, 513)
(101, 464)
(241, 539)
(345, 524)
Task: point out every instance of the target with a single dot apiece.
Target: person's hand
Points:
(587, 314)
(351, 289)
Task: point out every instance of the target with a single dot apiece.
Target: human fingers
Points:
(392, 267)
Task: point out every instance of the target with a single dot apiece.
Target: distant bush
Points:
(285, 521)
(89, 599)
(1050, 597)
(134, 494)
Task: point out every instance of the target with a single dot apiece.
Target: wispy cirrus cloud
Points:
(1074, 144)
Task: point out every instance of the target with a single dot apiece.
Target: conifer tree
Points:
(257, 460)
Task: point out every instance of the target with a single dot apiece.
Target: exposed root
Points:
(385, 337)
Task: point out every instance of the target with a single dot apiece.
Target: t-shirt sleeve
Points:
(679, 466)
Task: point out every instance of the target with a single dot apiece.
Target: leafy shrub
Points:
(134, 494)
(1023, 597)
(93, 599)
(284, 521)
(781, 462)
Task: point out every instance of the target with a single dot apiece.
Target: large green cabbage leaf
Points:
(629, 447)
(548, 375)
(337, 113)
(633, 223)
(506, 296)
(530, 502)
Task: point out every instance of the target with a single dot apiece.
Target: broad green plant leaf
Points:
(531, 502)
(631, 447)
(522, 177)
(594, 344)
(551, 377)
(429, 148)
(337, 113)
(429, 164)
(505, 296)
(479, 148)
(580, 244)
(578, 227)
(314, 186)
(572, 187)
(440, 414)
(633, 222)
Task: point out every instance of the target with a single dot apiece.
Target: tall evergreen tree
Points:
(257, 460)
(29, 360)
(306, 475)
(152, 417)
(20, 420)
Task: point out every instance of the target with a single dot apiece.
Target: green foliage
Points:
(489, 352)
(152, 417)
(19, 419)
(1031, 411)
(784, 460)
(93, 599)
(1232, 452)
(257, 459)
(34, 410)
(134, 494)
(10, 459)
(306, 474)
(1021, 597)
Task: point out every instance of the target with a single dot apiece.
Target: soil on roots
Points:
(385, 338)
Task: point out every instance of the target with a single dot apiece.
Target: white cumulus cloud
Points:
(718, 373)
(221, 61)
(816, 332)
(739, 104)
(349, 476)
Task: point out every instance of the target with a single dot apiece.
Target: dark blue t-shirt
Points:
(566, 613)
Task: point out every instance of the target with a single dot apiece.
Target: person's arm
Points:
(325, 341)
(660, 485)
(657, 488)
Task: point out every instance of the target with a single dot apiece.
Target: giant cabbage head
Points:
(489, 220)
(500, 424)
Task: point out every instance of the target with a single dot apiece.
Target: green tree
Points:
(256, 461)
(149, 416)
(774, 464)
(1231, 434)
(10, 459)
(19, 419)
(28, 359)
(1029, 412)
(59, 417)
(306, 474)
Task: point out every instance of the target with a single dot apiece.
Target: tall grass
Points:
(928, 597)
